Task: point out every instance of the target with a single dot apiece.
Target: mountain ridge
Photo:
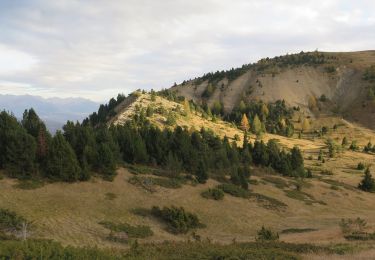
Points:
(299, 79)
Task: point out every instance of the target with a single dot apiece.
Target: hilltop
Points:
(299, 79)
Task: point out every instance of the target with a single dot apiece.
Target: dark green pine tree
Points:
(368, 182)
(20, 154)
(296, 158)
(8, 125)
(62, 163)
(173, 165)
(31, 122)
(201, 172)
(35, 127)
(106, 160)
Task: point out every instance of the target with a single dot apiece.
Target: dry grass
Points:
(70, 213)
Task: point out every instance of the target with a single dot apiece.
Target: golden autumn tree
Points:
(244, 123)
(305, 125)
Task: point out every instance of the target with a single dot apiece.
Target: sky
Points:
(98, 48)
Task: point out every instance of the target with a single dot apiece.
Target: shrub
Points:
(215, 194)
(10, 220)
(266, 235)
(350, 226)
(353, 146)
(234, 190)
(360, 166)
(368, 182)
(171, 119)
(177, 219)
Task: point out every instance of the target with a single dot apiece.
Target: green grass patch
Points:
(110, 196)
(278, 182)
(362, 236)
(234, 190)
(46, 249)
(149, 183)
(268, 202)
(29, 184)
(214, 194)
(303, 196)
(138, 231)
(339, 184)
(297, 230)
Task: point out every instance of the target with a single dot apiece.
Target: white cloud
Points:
(98, 48)
(13, 60)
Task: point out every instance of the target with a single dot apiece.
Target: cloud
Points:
(98, 48)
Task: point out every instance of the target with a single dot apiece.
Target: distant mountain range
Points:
(54, 111)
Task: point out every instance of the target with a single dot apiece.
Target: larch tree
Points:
(257, 125)
(244, 123)
(305, 125)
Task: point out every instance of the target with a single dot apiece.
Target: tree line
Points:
(28, 150)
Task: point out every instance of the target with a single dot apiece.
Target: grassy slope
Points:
(70, 213)
(296, 85)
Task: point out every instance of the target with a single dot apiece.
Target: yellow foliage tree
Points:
(312, 103)
(305, 125)
(244, 123)
(264, 112)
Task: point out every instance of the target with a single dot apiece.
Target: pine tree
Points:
(62, 163)
(368, 182)
(201, 172)
(173, 165)
(31, 122)
(242, 106)
(257, 125)
(296, 159)
(20, 154)
(264, 112)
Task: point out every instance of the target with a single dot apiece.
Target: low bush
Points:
(265, 234)
(350, 226)
(215, 194)
(177, 219)
(360, 166)
(9, 220)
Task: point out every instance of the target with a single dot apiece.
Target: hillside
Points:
(296, 78)
(145, 151)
